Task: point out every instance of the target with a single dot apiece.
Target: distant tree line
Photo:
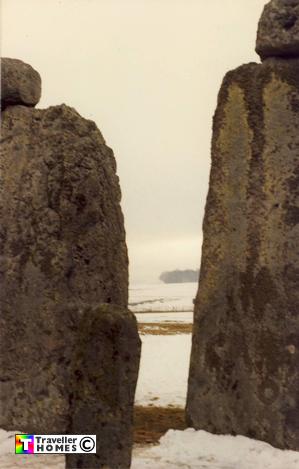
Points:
(180, 276)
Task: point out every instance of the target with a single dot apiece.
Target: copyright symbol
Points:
(87, 444)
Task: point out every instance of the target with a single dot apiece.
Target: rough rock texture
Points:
(62, 228)
(69, 348)
(244, 371)
(20, 83)
(107, 347)
(278, 30)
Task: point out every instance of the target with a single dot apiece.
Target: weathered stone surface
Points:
(61, 224)
(69, 363)
(107, 347)
(278, 29)
(20, 83)
(244, 372)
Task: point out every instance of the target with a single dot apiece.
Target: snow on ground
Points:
(162, 297)
(185, 317)
(177, 450)
(192, 449)
(164, 370)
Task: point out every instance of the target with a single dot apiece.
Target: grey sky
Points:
(148, 73)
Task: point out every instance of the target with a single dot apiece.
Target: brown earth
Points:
(150, 423)
(164, 328)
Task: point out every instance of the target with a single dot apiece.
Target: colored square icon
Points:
(24, 444)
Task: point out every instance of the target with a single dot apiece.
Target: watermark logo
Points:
(55, 444)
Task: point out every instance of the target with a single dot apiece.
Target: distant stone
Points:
(180, 276)
(20, 83)
(278, 30)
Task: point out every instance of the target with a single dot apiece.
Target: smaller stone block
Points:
(20, 83)
(278, 30)
(104, 375)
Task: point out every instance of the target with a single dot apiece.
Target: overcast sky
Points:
(148, 73)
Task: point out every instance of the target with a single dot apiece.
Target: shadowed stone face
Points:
(244, 371)
(278, 29)
(105, 366)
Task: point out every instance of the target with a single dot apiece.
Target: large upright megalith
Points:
(69, 346)
(244, 371)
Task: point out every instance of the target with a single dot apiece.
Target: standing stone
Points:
(69, 347)
(244, 371)
(104, 388)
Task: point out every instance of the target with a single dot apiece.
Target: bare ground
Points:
(152, 422)
(164, 328)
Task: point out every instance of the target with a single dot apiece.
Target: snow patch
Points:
(192, 449)
(164, 368)
(162, 297)
(169, 317)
